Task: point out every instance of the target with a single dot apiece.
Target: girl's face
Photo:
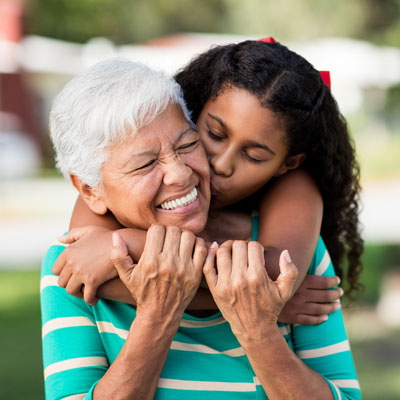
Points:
(246, 145)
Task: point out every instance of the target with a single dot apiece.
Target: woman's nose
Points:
(176, 172)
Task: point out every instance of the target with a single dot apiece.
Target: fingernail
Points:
(115, 239)
(336, 306)
(214, 245)
(287, 256)
(338, 280)
(341, 291)
(325, 318)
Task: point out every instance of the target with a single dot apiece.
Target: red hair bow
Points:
(325, 75)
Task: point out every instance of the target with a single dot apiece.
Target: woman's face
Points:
(245, 143)
(159, 175)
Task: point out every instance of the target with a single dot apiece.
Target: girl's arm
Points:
(82, 216)
(290, 215)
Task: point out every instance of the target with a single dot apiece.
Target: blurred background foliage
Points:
(135, 21)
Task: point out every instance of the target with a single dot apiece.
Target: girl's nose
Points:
(222, 164)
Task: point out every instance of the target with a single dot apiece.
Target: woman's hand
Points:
(167, 275)
(313, 301)
(248, 299)
(85, 264)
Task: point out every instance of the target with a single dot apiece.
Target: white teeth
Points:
(183, 201)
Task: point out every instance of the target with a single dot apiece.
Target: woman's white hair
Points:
(103, 106)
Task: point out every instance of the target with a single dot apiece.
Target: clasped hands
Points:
(170, 269)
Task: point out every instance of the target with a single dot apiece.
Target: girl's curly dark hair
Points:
(288, 85)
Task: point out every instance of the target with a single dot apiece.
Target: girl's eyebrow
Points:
(219, 120)
(251, 143)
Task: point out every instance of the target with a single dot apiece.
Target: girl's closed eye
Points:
(253, 160)
(213, 136)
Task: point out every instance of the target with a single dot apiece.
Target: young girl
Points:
(262, 111)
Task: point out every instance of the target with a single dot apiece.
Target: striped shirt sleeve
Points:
(325, 347)
(74, 358)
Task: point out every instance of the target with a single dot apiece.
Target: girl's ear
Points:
(290, 163)
(93, 196)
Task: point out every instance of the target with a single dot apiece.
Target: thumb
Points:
(73, 235)
(209, 270)
(120, 257)
(287, 276)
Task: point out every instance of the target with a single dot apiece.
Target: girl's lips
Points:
(214, 190)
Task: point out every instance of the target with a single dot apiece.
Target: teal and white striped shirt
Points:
(205, 360)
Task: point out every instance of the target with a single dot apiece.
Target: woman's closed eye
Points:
(147, 165)
(189, 146)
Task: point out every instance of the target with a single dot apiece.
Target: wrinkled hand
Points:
(85, 264)
(248, 299)
(168, 273)
(313, 301)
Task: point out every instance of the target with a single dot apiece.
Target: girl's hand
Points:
(76, 234)
(313, 301)
(85, 264)
(248, 299)
(167, 275)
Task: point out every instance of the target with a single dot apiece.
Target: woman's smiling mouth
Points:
(181, 201)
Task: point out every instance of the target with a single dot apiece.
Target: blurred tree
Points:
(123, 21)
(130, 21)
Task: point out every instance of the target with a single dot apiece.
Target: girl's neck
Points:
(227, 224)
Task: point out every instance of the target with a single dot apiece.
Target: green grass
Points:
(377, 259)
(21, 375)
(378, 367)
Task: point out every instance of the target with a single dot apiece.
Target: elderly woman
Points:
(105, 161)
(113, 350)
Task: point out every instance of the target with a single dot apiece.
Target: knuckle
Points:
(91, 281)
(202, 250)
(238, 244)
(156, 228)
(332, 294)
(200, 242)
(255, 245)
(188, 234)
(238, 284)
(223, 251)
(253, 280)
(61, 283)
(173, 229)
(69, 290)
(226, 245)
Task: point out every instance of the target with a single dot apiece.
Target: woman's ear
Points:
(92, 195)
(290, 163)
